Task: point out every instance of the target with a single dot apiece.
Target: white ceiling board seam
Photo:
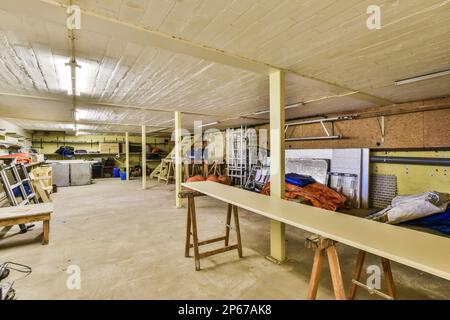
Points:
(93, 104)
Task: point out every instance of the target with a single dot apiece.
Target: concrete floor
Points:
(129, 244)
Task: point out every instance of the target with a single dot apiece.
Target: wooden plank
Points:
(26, 219)
(402, 245)
(436, 128)
(23, 211)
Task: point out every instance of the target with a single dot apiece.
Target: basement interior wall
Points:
(428, 129)
(135, 158)
(414, 179)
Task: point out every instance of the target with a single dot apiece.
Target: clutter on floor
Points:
(319, 195)
(429, 210)
(411, 207)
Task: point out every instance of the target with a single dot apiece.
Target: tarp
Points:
(318, 194)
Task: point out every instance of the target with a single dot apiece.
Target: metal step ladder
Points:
(15, 176)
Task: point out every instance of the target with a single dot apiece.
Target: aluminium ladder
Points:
(237, 155)
(20, 179)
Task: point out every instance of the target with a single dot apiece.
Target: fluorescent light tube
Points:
(208, 124)
(423, 77)
(294, 105)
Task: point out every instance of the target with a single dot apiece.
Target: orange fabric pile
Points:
(319, 194)
(21, 157)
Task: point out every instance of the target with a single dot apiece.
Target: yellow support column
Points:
(127, 155)
(277, 184)
(144, 158)
(178, 159)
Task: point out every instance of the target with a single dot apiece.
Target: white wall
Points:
(351, 161)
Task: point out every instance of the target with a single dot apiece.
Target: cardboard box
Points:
(106, 147)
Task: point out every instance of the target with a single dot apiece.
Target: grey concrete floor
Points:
(129, 244)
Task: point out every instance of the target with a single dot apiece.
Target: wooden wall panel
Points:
(404, 131)
(412, 130)
(437, 128)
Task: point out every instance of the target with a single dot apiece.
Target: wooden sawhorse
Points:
(320, 245)
(191, 230)
(391, 292)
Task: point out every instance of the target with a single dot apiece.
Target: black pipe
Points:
(411, 160)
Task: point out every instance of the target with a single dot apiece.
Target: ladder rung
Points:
(26, 179)
(31, 195)
(13, 186)
(24, 202)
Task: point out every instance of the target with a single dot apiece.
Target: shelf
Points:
(10, 145)
(65, 142)
(92, 154)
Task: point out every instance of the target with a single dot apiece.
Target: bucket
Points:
(116, 173)
(123, 176)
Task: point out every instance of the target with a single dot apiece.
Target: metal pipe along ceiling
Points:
(411, 160)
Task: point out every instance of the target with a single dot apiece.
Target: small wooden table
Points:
(10, 216)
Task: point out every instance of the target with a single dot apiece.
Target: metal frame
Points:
(328, 135)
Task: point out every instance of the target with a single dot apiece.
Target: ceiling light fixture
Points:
(208, 124)
(80, 114)
(82, 70)
(423, 77)
(294, 105)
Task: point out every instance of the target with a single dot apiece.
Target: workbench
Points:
(10, 216)
(422, 251)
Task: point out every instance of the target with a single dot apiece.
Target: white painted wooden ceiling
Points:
(127, 83)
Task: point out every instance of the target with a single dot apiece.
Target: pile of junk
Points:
(428, 210)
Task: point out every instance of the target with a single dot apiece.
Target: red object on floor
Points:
(224, 179)
(195, 179)
(212, 178)
(319, 194)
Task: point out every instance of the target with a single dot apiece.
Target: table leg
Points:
(357, 273)
(228, 225)
(388, 277)
(46, 227)
(238, 230)
(188, 230)
(194, 234)
(336, 276)
(315, 274)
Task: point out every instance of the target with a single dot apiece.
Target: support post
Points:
(127, 155)
(178, 159)
(277, 158)
(144, 158)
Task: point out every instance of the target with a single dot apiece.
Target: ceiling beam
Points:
(54, 11)
(407, 107)
(87, 122)
(97, 105)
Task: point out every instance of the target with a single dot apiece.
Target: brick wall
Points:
(383, 188)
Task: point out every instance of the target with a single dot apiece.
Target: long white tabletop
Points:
(419, 250)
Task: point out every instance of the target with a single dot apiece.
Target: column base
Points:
(275, 260)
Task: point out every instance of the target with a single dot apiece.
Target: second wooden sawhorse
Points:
(192, 232)
(323, 245)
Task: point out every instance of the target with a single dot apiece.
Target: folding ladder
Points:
(19, 179)
(237, 156)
